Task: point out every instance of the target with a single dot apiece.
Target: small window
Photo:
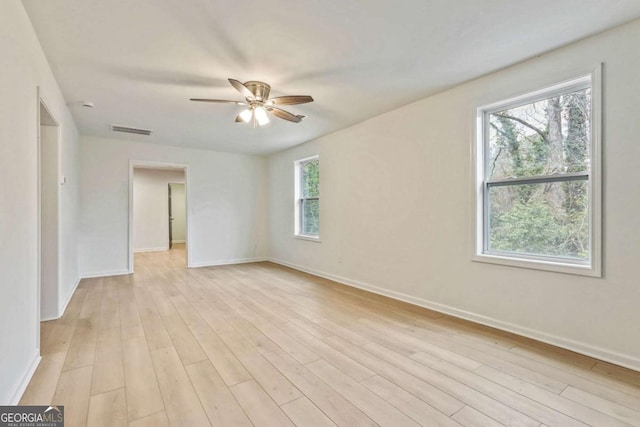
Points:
(308, 198)
(538, 187)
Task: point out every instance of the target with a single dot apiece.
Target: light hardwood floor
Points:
(259, 344)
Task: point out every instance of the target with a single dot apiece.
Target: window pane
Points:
(311, 217)
(310, 179)
(541, 138)
(549, 219)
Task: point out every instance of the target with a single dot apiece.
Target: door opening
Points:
(170, 218)
(48, 159)
(177, 214)
(158, 214)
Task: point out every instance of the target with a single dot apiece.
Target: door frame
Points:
(147, 164)
(42, 102)
(185, 193)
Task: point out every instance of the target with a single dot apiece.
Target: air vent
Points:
(125, 129)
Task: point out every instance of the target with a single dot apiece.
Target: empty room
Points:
(355, 213)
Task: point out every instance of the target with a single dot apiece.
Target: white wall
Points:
(178, 213)
(396, 208)
(226, 213)
(151, 208)
(24, 67)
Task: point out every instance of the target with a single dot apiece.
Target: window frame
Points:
(299, 200)
(481, 253)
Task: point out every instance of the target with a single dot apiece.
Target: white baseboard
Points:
(226, 262)
(104, 274)
(156, 249)
(620, 359)
(62, 309)
(66, 303)
(18, 390)
(178, 241)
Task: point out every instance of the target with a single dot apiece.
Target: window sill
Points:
(538, 264)
(309, 238)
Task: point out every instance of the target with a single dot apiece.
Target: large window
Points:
(307, 178)
(538, 179)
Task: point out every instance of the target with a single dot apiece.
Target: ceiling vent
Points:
(125, 129)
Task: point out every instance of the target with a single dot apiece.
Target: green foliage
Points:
(541, 138)
(310, 217)
(535, 226)
(310, 208)
(311, 179)
(526, 228)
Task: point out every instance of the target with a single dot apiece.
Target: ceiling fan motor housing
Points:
(260, 90)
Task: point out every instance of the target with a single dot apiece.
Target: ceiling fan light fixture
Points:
(259, 105)
(261, 116)
(246, 115)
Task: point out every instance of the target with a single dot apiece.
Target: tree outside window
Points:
(308, 172)
(537, 191)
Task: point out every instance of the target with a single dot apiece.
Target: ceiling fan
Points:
(259, 104)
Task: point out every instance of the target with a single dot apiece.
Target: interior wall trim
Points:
(90, 275)
(227, 262)
(21, 386)
(158, 249)
(63, 308)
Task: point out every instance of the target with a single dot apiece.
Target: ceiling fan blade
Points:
(290, 100)
(223, 101)
(285, 115)
(242, 89)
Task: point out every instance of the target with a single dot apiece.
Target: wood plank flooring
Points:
(262, 345)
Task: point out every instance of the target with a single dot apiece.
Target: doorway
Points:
(177, 214)
(158, 210)
(49, 215)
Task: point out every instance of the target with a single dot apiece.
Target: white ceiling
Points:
(140, 61)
